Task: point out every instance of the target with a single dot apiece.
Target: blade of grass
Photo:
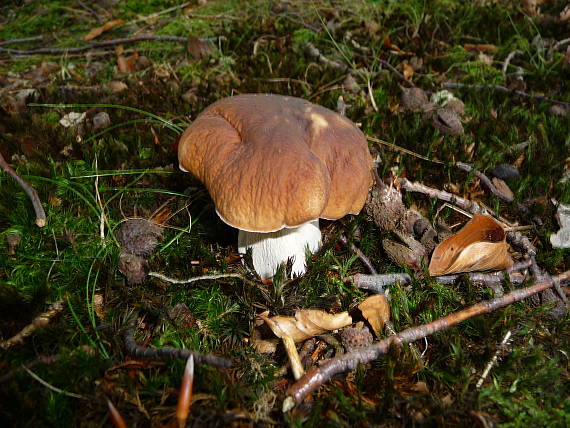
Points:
(165, 122)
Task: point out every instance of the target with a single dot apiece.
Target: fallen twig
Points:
(312, 51)
(376, 283)
(498, 88)
(91, 11)
(493, 360)
(42, 359)
(470, 206)
(485, 181)
(22, 40)
(318, 376)
(365, 260)
(171, 353)
(42, 320)
(194, 279)
(397, 73)
(95, 45)
(397, 148)
(515, 238)
(30, 191)
(51, 387)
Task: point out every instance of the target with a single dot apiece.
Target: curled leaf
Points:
(306, 323)
(95, 32)
(479, 245)
(376, 311)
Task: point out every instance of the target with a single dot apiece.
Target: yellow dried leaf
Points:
(376, 311)
(107, 26)
(479, 245)
(408, 71)
(306, 323)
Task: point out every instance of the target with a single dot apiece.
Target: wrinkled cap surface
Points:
(272, 161)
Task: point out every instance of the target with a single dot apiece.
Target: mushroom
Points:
(273, 166)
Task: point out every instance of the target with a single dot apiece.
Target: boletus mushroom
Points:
(273, 166)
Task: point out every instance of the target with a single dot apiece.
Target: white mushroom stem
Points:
(269, 250)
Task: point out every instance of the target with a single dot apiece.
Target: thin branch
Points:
(365, 260)
(95, 45)
(42, 359)
(396, 148)
(22, 40)
(91, 11)
(30, 191)
(493, 360)
(194, 279)
(312, 51)
(504, 89)
(51, 387)
(318, 376)
(377, 282)
(485, 181)
(42, 320)
(170, 353)
(470, 206)
(515, 238)
(397, 73)
(157, 14)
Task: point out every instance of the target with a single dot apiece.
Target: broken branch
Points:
(107, 43)
(318, 376)
(498, 88)
(472, 207)
(172, 353)
(42, 320)
(365, 260)
(485, 181)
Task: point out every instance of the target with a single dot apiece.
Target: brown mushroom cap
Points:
(272, 161)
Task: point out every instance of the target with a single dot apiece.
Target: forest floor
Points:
(92, 122)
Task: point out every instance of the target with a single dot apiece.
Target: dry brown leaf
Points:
(306, 323)
(376, 311)
(107, 26)
(479, 245)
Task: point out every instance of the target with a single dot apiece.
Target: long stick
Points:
(318, 376)
(108, 43)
